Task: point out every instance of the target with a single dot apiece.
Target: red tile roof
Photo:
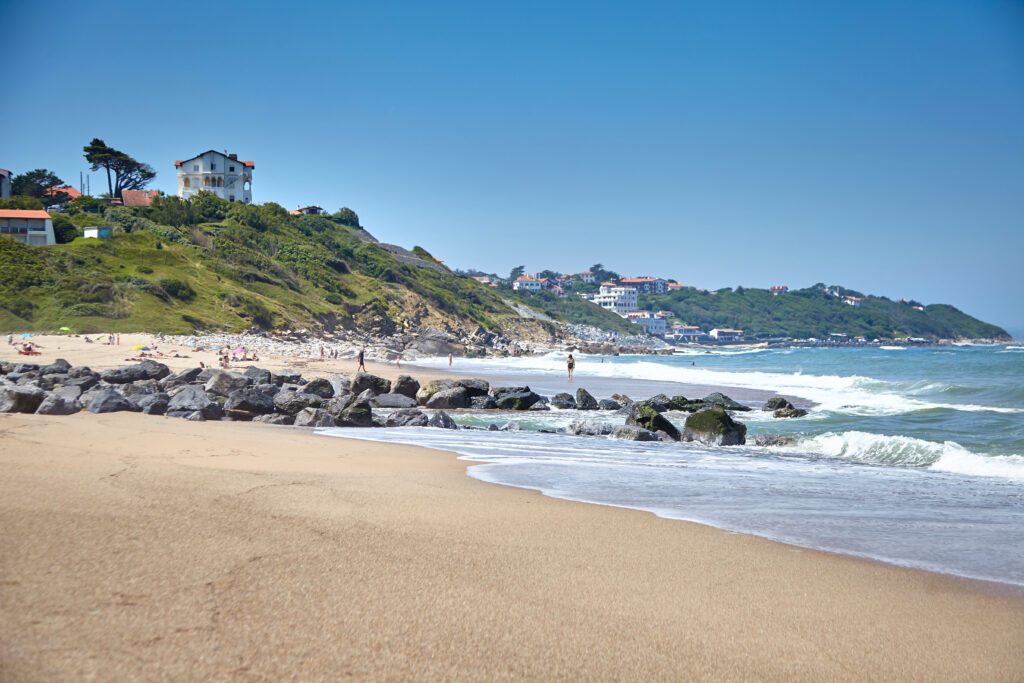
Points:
(138, 197)
(67, 189)
(23, 213)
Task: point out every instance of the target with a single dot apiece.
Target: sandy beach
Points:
(144, 548)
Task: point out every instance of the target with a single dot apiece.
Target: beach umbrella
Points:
(25, 335)
(139, 346)
(240, 349)
(64, 329)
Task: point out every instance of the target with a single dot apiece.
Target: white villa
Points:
(651, 322)
(526, 283)
(28, 226)
(726, 334)
(219, 173)
(616, 298)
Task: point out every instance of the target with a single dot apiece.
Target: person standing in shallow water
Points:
(362, 359)
(572, 366)
(449, 359)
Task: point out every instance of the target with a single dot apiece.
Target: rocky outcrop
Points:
(584, 401)
(441, 420)
(608, 404)
(659, 402)
(223, 383)
(193, 399)
(245, 404)
(20, 399)
(482, 403)
(357, 414)
(644, 415)
(723, 401)
(514, 398)
(407, 417)
(563, 401)
(790, 412)
(320, 387)
(257, 375)
(622, 399)
(449, 399)
(153, 404)
(430, 388)
(405, 386)
(314, 417)
(292, 402)
(392, 401)
(109, 401)
(147, 369)
(364, 380)
(55, 404)
(57, 367)
(686, 405)
(714, 427)
(776, 403)
(474, 387)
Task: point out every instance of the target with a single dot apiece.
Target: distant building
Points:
(307, 211)
(838, 338)
(918, 307)
(726, 334)
(616, 298)
(484, 280)
(652, 324)
(778, 289)
(527, 283)
(32, 227)
(218, 173)
(853, 300)
(674, 286)
(646, 285)
(71, 192)
(688, 333)
(138, 197)
(5, 183)
(98, 233)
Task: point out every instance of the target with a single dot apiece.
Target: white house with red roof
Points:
(33, 227)
(219, 173)
(646, 285)
(528, 283)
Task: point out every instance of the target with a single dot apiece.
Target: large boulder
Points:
(643, 414)
(723, 401)
(321, 387)
(314, 417)
(564, 400)
(20, 399)
(257, 375)
(109, 401)
(82, 371)
(147, 369)
(55, 404)
(275, 419)
(584, 400)
(292, 402)
(341, 384)
(336, 405)
(790, 412)
(223, 383)
(622, 399)
(244, 404)
(659, 402)
(406, 386)
(634, 433)
(442, 420)
(686, 405)
(143, 387)
(714, 427)
(608, 404)
(407, 417)
(474, 387)
(430, 388)
(589, 428)
(190, 375)
(69, 393)
(449, 399)
(364, 380)
(153, 404)
(515, 398)
(192, 399)
(287, 376)
(22, 368)
(57, 367)
(48, 382)
(776, 403)
(392, 401)
(358, 414)
(482, 403)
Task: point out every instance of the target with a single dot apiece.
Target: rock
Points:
(662, 436)
(48, 382)
(482, 403)
(774, 440)
(147, 369)
(341, 384)
(685, 405)
(714, 427)
(292, 402)
(493, 427)
(449, 399)
(314, 417)
(442, 420)
(644, 415)
(275, 419)
(223, 383)
(27, 378)
(20, 399)
(55, 404)
(321, 387)
(192, 398)
(584, 401)
(474, 387)
(196, 416)
(85, 382)
(407, 417)
(425, 392)
(249, 401)
(153, 404)
(204, 375)
(57, 367)
(359, 414)
(143, 387)
(336, 405)
(634, 433)
(515, 398)
(659, 402)
(109, 401)
(364, 380)
(392, 401)
(287, 377)
(539, 406)
(189, 376)
(776, 403)
(608, 404)
(564, 401)
(406, 386)
(589, 428)
(82, 371)
(721, 400)
(622, 399)
(790, 412)
(257, 375)
(68, 393)
(22, 368)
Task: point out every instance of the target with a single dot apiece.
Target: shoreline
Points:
(432, 573)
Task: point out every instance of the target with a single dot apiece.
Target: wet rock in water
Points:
(634, 433)
(246, 403)
(442, 420)
(358, 414)
(405, 386)
(364, 380)
(57, 367)
(493, 428)
(319, 386)
(407, 417)
(482, 403)
(392, 401)
(474, 387)
(55, 404)
(776, 403)
(147, 369)
(659, 402)
(539, 406)
(584, 401)
(314, 417)
(723, 401)
(153, 404)
(192, 398)
(774, 440)
(109, 401)
(564, 401)
(292, 402)
(257, 375)
(449, 399)
(515, 398)
(608, 404)
(790, 412)
(714, 427)
(686, 405)
(222, 383)
(622, 399)
(426, 391)
(589, 428)
(644, 415)
(275, 419)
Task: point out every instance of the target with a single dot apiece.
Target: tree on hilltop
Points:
(123, 172)
(516, 272)
(347, 216)
(39, 184)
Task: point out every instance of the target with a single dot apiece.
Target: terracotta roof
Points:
(138, 197)
(640, 279)
(23, 213)
(67, 189)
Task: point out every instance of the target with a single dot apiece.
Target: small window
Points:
(231, 198)
(231, 168)
(187, 183)
(213, 165)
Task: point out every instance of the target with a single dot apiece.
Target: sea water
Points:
(913, 456)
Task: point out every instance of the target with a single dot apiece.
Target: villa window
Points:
(231, 168)
(195, 168)
(187, 183)
(231, 198)
(213, 165)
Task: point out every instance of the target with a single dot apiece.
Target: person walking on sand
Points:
(362, 361)
(449, 359)
(572, 366)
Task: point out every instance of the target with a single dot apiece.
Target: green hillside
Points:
(812, 312)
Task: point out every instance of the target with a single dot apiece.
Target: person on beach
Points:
(398, 360)
(362, 361)
(449, 359)
(572, 366)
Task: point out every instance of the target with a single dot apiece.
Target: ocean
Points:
(911, 456)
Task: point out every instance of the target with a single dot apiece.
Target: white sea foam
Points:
(893, 348)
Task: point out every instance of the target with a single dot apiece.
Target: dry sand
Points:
(145, 548)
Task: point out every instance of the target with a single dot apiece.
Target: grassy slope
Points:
(810, 313)
(576, 310)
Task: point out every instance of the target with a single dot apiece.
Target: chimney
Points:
(233, 157)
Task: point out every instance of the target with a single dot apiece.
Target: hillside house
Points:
(646, 285)
(138, 197)
(778, 289)
(652, 323)
(221, 174)
(616, 298)
(33, 227)
(98, 233)
(726, 334)
(853, 300)
(307, 211)
(688, 333)
(528, 283)
(674, 286)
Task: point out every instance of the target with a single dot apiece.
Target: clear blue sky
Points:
(877, 145)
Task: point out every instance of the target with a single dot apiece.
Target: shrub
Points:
(178, 289)
(334, 298)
